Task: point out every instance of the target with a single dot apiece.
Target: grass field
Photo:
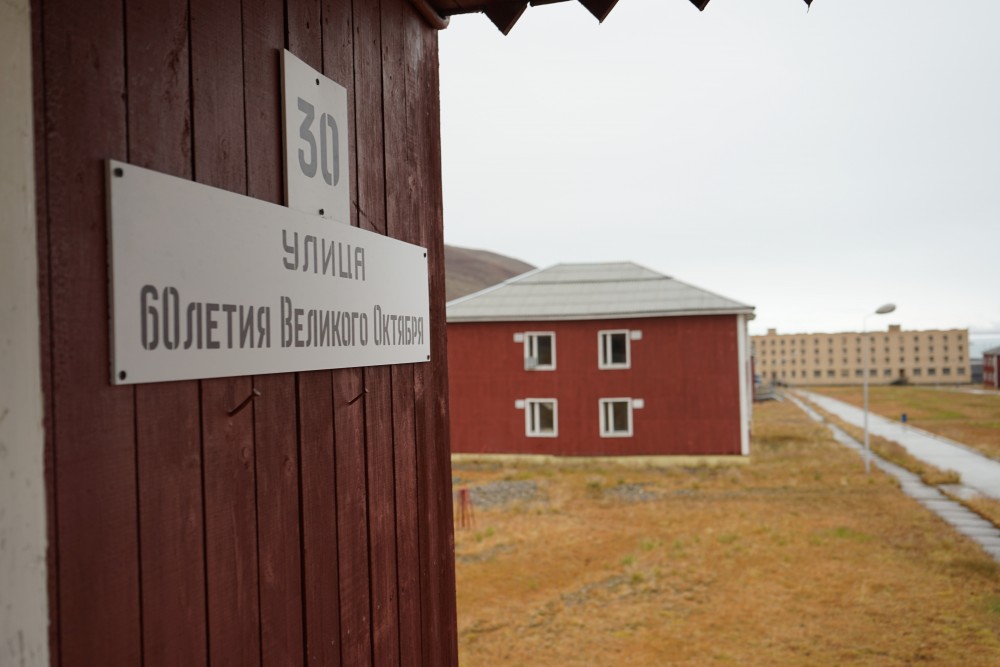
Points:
(795, 559)
(972, 419)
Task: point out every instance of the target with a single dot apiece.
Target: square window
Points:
(613, 349)
(541, 417)
(887, 372)
(917, 371)
(616, 417)
(932, 371)
(830, 374)
(539, 351)
(946, 371)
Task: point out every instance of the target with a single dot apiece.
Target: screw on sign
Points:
(314, 109)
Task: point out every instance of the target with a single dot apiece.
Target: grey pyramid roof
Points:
(590, 292)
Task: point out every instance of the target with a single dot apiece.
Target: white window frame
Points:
(530, 409)
(531, 345)
(604, 345)
(605, 432)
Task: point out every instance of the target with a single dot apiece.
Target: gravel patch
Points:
(631, 493)
(497, 494)
(582, 594)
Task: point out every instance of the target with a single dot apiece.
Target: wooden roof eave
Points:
(505, 13)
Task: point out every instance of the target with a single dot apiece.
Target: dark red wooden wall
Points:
(991, 370)
(305, 529)
(685, 369)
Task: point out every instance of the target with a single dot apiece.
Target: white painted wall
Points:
(746, 399)
(23, 605)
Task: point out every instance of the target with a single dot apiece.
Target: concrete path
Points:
(979, 473)
(961, 518)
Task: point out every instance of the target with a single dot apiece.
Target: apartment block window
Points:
(844, 373)
(917, 371)
(859, 373)
(830, 374)
(616, 417)
(887, 372)
(946, 371)
(613, 349)
(817, 374)
(961, 370)
(540, 351)
(541, 417)
(932, 371)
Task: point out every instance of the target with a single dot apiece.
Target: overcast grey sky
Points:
(813, 164)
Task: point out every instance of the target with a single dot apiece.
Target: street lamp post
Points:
(881, 310)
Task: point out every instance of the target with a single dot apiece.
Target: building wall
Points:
(23, 602)
(685, 369)
(991, 370)
(923, 357)
(309, 527)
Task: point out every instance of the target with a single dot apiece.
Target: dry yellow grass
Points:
(986, 507)
(796, 559)
(972, 419)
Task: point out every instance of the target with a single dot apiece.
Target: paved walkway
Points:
(964, 520)
(979, 473)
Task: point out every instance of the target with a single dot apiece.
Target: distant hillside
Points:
(468, 271)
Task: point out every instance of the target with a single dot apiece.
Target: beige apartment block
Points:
(919, 357)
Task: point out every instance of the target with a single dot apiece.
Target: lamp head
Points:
(887, 308)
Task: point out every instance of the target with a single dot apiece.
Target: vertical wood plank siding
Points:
(168, 447)
(307, 528)
(93, 423)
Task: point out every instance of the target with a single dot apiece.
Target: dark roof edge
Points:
(748, 310)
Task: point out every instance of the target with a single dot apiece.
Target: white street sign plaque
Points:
(314, 111)
(206, 283)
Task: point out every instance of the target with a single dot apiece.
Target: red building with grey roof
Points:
(609, 359)
(991, 368)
